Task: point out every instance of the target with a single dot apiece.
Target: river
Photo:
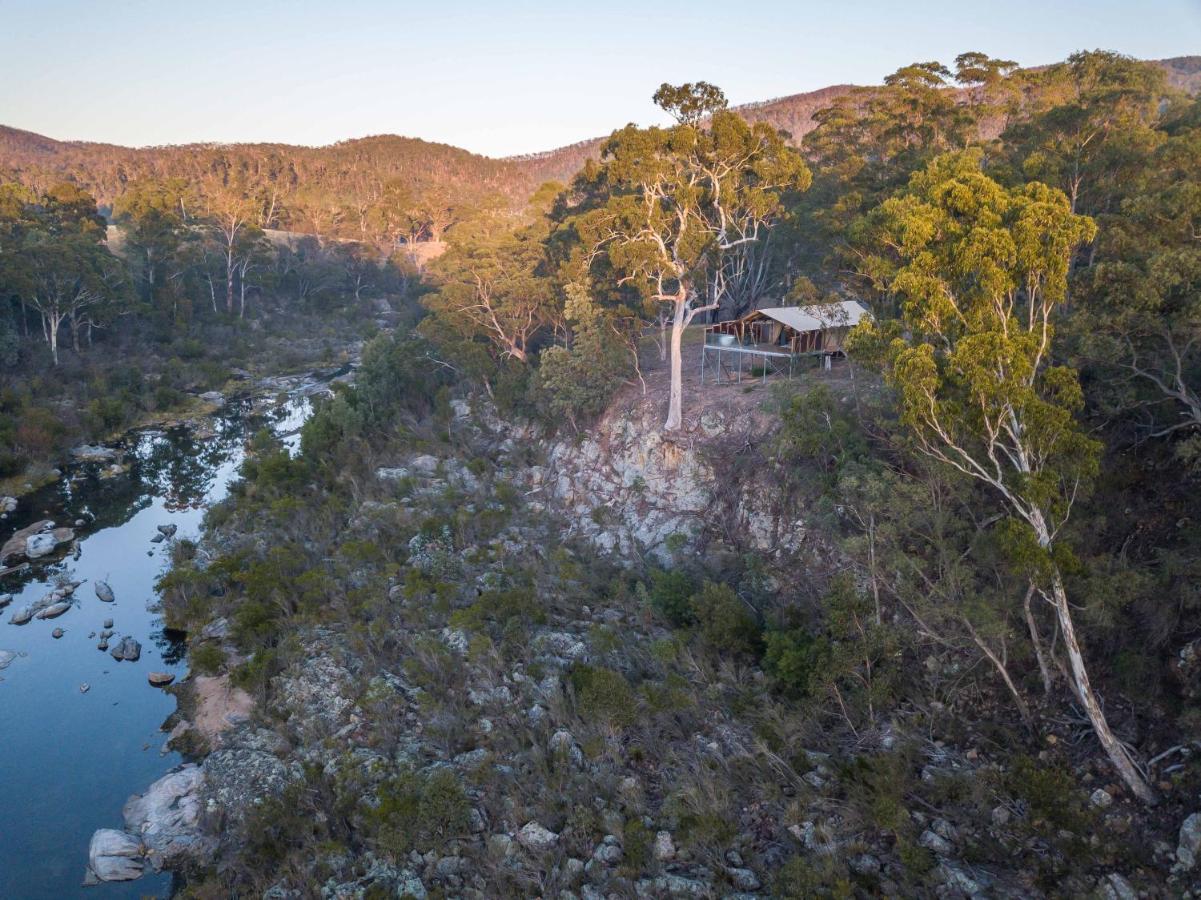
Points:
(69, 759)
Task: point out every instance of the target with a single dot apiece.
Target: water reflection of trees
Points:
(182, 467)
(172, 645)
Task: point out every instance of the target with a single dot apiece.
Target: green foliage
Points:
(509, 612)
(206, 658)
(793, 659)
(807, 877)
(724, 622)
(603, 695)
(419, 810)
(576, 383)
(671, 594)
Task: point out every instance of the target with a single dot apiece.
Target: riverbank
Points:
(92, 720)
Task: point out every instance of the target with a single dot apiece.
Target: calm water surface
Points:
(69, 760)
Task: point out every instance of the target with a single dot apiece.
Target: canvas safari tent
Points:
(821, 328)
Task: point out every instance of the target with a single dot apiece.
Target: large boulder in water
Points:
(14, 547)
(128, 649)
(54, 610)
(167, 817)
(113, 856)
(45, 543)
(104, 592)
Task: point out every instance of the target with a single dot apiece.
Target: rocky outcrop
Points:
(631, 488)
(162, 830)
(166, 818)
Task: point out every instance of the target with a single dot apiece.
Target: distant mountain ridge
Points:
(358, 166)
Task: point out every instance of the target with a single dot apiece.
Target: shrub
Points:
(603, 694)
(724, 621)
(804, 878)
(207, 659)
(416, 810)
(793, 658)
(671, 596)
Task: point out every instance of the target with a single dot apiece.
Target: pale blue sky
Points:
(495, 77)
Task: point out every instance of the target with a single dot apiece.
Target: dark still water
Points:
(70, 759)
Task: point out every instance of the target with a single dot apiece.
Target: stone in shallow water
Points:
(6, 658)
(160, 679)
(104, 592)
(54, 610)
(127, 648)
(113, 856)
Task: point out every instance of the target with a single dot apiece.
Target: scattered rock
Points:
(6, 658)
(113, 856)
(1115, 887)
(672, 886)
(5, 599)
(104, 592)
(1189, 845)
(90, 453)
(158, 539)
(84, 688)
(665, 848)
(14, 547)
(214, 397)
(126, 649)
(935, 843)
(108, 623)
(54, 610)
(8, 505)
(744, 879)
(57, 633)
(608, 851)
(536, 838)
(1101, 798)
(167, 531)
(160, 679)
(43, 544)
(563, 745)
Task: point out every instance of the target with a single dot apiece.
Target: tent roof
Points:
(818, 317)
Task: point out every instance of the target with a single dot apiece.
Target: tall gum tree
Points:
(672, 202)
(980, 271)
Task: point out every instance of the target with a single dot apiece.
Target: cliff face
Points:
(632, 489)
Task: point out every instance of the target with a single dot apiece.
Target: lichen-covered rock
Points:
(245, 771)
(536, 838)
(1188, 849)
(315, 696)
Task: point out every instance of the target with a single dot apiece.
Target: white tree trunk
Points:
(675, 406)
(1112, 746)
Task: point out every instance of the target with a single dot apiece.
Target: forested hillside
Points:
(533, 611)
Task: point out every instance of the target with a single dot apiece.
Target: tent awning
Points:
(845, 313)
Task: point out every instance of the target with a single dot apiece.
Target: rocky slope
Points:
(491, 708)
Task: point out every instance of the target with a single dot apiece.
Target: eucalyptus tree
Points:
(154, 216)
(491, 291)
(670, 203)
(1140, 314)
(1095, 124)
(981, 271)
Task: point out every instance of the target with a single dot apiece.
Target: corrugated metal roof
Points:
(819, 317)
